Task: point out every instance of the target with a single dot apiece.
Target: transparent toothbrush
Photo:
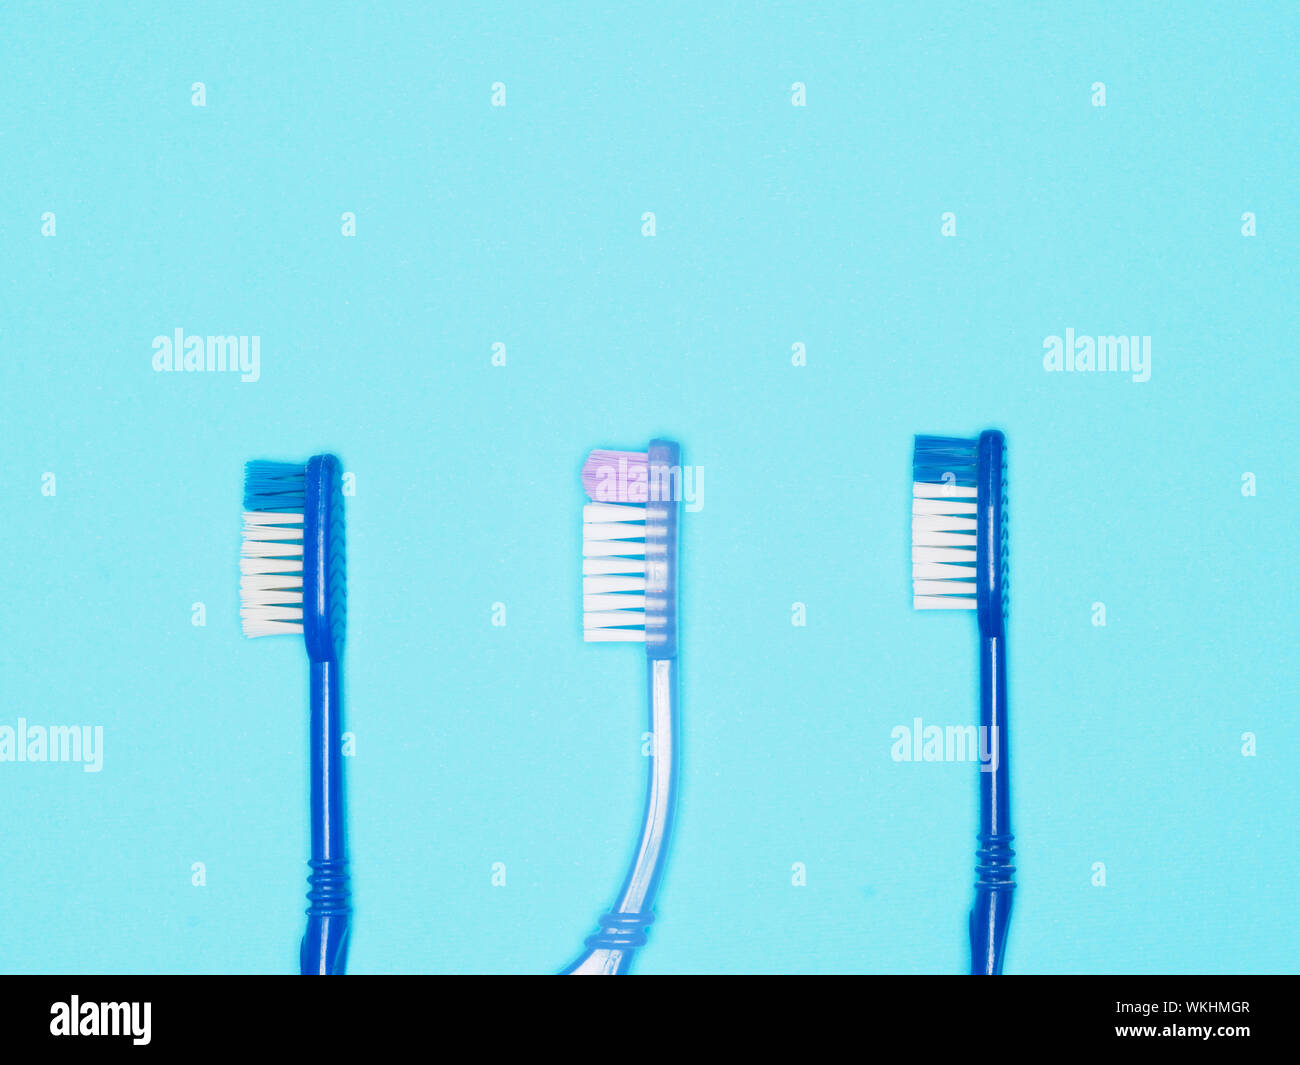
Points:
(629, 585)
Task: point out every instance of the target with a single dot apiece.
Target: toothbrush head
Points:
(629, 547)
(959, 549)
(292, 569)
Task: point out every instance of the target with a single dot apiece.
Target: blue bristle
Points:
(275, 486)
(945, 460)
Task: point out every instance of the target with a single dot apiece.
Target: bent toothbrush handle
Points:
(622, 931)
(329, 911)
(994, 869)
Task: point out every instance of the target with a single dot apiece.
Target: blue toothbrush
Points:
(292, 582)
(959, 561)
(629, 595)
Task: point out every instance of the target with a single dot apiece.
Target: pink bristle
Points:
(616, 476)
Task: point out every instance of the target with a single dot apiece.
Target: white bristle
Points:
(613, 530)
(273, 517)
(270, 590)
(270, 582)
(592, 567)
(942, 506)
(937, 522)
(597, 512)
(943, 587)
(926, 538)
(615, 601)
(272, 532)
(937, 571)
(602, 585)
(271, 549)
(270, 565)
(614, 635)
(926, 490)
(943, 547)
(611, 548)
(942, 554)
(608, 619)
(942, 602)
(273, 613)
(613, 566)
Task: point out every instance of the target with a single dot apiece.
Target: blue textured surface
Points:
(944, 460)
(275, 486)
(477, 743)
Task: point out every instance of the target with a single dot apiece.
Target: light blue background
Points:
(776, 225)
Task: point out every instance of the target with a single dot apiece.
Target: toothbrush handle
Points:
(325, 944)
(622, 931)
(994, 872)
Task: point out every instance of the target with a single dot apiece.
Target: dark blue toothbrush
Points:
(959, 562)
(293, 582)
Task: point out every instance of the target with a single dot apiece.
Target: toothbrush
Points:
(292, 582)
(959, 562)
(629, 595)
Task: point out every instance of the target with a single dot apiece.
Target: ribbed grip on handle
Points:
(613, 946)
(993, 863)
(611, 949)
(330, 891)
(620, 931)
(329, 911)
